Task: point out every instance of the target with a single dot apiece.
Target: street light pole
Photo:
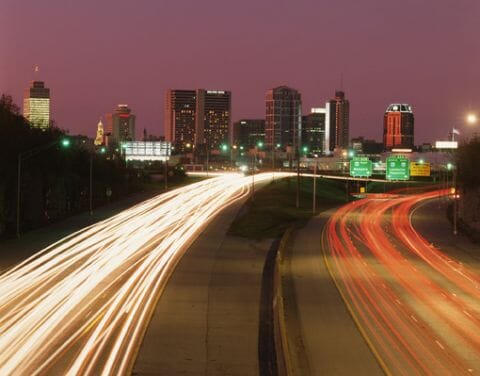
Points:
(253, 172)
(165, 166)
(18, 193)
(273, 160)
(91, 185)
(455, 232)
(314, 208)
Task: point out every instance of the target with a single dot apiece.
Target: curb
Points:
(284, 360)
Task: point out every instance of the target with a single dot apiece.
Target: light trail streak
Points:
(81, 305)
(408, 296)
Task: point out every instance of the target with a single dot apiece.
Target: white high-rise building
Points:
(36, 105)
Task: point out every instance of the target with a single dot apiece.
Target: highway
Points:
(81, 305)
(417, 308)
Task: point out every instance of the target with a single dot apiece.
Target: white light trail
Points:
(81, 305)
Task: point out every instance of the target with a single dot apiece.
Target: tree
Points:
(468, 164)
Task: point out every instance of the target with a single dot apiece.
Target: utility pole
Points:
(314, 206)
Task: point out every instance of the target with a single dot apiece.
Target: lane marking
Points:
(440, 345)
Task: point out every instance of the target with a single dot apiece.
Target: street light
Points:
(472, 118)
(254, 159)
(24, 155)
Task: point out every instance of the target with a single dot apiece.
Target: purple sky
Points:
(96, 54)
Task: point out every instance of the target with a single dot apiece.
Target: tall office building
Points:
(213, 117)
(337, 119)
(121, 125)
(199, 118)
(283, 117)
(180, 118)
(249, 132)
(398, 126)
(314, 131)
(36, 105)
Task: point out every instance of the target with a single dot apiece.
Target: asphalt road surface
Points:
(418, 307)
(81, 305)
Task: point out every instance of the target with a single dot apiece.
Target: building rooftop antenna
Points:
(36, 69)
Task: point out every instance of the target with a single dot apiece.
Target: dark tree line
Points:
(468, 178)
(468, 162)
(54, 182)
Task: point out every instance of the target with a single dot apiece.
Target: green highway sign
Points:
(360, 167)
(398, 168)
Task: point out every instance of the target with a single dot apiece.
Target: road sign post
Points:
(420, 169)
(361, 167)
(398, 168)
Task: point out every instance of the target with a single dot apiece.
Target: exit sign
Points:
(397, 168)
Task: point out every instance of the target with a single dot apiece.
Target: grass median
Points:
(273, 208)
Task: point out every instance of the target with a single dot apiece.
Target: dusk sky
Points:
(94, 55)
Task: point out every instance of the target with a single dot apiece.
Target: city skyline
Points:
(397, 65)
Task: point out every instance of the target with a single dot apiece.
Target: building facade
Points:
(213, 118)
(314, 131)
(197, 119)
(283, 117)
(249, 132)
(36, 105)
(398, 127)
(338, 121)
(180, 119)
(120, 125)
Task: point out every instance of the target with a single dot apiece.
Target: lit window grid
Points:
(37, 111)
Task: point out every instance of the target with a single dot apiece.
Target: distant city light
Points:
(446, 144)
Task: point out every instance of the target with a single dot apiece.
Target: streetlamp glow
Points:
(472, 118)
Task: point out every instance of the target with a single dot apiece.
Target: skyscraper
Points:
(121, 125)
(283, 117)
(180, 118)
(314, 131)
(213, 117)
(398, 126)
(248, 132)
(337, 119)
(199, 118)
(36, 105)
